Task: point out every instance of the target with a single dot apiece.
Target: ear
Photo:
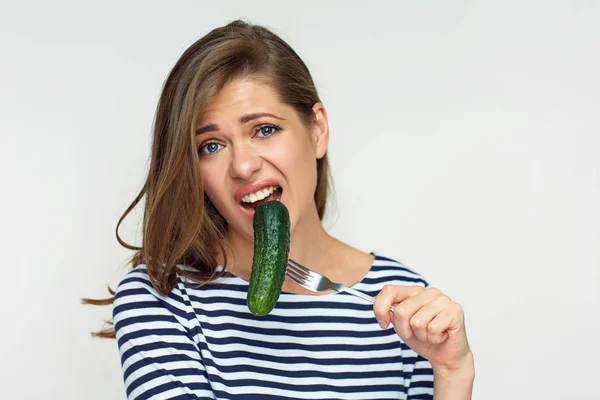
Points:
(320, 130)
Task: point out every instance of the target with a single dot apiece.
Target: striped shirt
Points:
(203, 343)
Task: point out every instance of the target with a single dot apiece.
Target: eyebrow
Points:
(243, 119)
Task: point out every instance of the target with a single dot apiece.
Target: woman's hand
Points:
(430, 323)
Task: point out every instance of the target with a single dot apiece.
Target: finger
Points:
(436, 330)
(406, 309)
(447, 321)
(389, 295)
(421, 319)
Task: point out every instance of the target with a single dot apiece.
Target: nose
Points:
(244, 163)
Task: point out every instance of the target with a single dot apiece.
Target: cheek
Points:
(216, 195)
(213, 187)
(300, 168)
(210, 193)
(296, 153)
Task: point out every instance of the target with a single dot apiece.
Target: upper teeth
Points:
(259, 195)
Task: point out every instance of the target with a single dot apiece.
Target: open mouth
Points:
(253, 200)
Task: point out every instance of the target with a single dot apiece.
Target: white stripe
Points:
(412, 391)
(300, 327)
(306, 381)
(169, 394)
(420, 364)
(198, 301)
(325, 340)
(283, 354)
(421, 378)
(160, 380)
(281, 312)
(395, 274)
(148, 297)
(153, 311)
(336, 368)
(168, 366)
(151, 339)
(135, 357)
(386, 263)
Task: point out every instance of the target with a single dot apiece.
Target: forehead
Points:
(241, 97)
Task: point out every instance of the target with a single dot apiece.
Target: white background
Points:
(465, 142)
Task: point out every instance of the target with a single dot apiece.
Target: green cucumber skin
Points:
(271, 251)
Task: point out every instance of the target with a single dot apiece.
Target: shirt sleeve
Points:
(421, 380)
(155, 335)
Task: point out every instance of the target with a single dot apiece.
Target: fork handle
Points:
(361, 295)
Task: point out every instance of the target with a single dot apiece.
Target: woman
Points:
(239, 114)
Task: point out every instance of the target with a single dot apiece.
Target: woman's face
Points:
(251, 145)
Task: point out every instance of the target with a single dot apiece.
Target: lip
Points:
(244, 190)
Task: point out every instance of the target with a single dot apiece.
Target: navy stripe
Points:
(317, 361)
(158, 373)
(149, 304)
(288, 305)
(394, 343)
(423, 396)
(155, 346)
(158, 361)
(375, 373)
(308, 388)
(386, 279)
(138, 319)
(172, 385)
(286, 319)
(299, 334)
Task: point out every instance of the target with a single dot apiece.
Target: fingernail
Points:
(382, 324)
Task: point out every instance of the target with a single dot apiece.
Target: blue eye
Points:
(209, 148)
(267, 130)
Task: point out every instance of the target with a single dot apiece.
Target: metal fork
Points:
(316, 282)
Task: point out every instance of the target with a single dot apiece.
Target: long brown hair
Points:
(180, 224)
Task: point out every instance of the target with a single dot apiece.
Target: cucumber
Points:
(271, 249)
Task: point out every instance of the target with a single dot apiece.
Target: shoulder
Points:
(137, 300)
(390, 271)
(135, 283)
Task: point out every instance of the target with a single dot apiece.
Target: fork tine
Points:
(293, 268)
(298, 275)
(299, 266)
(302, 282)
(294, 274)
(298, 281)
